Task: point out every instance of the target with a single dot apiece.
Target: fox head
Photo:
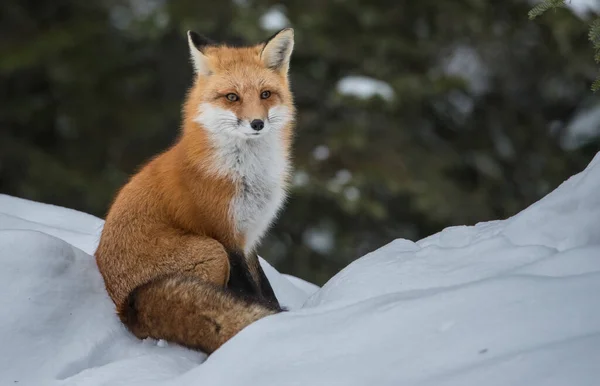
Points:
(241, 92)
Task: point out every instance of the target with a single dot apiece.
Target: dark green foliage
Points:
(593, 35)
(544, 6)
(483, 101)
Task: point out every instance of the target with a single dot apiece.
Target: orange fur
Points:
(169, 235)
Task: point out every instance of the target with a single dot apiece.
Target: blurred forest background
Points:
(413, 115)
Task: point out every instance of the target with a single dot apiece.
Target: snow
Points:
(319, 239)
(321, 153)
(465, 62)
(300, 178)
(352, 193)
(364, 87)
(583, 8)
(274, 19)
(507, 302)
(582, 129)
(122, 16)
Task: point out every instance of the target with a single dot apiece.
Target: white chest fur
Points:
(258, 168)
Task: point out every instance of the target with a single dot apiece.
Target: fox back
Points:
(177, 252)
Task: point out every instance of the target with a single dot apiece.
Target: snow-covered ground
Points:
(511, 302)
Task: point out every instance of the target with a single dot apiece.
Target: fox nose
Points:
(257, 124)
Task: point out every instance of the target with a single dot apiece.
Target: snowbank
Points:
(510, 302)
(364, 87)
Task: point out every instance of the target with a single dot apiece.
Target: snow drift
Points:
(510, 302)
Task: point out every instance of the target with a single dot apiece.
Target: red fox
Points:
(177, 252)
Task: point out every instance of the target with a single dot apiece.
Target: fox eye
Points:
(232, 97)
(265, 94)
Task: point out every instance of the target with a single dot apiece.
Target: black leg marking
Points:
(240, 279)
(266, 289)
(129, 316)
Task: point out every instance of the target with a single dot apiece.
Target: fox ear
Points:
(197, 43)
(277, 50)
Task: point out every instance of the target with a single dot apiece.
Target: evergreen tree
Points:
(471, 116)
(593, 35)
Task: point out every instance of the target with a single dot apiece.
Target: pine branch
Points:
(593, 34)
(596, 84)
(539, 9)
